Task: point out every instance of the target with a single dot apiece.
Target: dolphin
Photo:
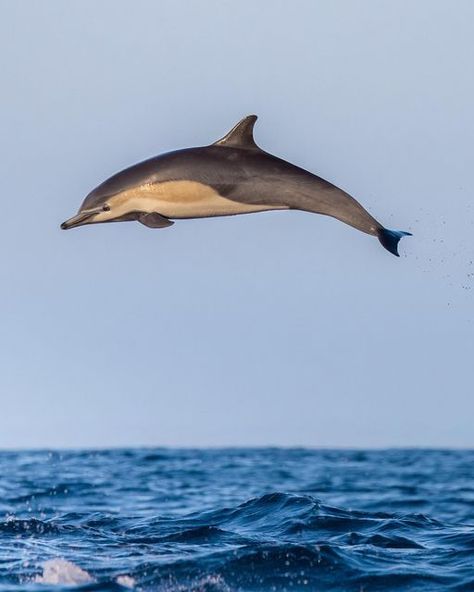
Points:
(231, 176)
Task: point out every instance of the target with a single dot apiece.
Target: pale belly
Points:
(182, 199)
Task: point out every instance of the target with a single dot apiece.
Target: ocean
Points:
(229, 520)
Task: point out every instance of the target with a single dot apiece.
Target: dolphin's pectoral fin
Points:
(154, 220)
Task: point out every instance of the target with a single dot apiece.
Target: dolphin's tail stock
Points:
(391, 238)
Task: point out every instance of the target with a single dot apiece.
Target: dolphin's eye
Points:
(106, 208)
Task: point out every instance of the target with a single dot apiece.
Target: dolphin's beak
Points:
(79, 219)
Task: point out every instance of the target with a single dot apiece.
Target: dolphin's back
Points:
(256, 177)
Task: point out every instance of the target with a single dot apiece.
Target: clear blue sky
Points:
(279, 328)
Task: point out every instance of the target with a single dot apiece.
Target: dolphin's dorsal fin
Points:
(241, 135)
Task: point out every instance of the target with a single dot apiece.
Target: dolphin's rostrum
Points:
(231, 176)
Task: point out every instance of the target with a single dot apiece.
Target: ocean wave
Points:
(32, 526)
(234, 520)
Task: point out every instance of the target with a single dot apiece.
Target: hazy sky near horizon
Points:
(280, 328)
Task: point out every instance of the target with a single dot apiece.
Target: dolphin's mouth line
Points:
(78, 219)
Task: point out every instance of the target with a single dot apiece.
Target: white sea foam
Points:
(60, 571)
(126, 581)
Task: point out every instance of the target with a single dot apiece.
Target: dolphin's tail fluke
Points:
(391, 238)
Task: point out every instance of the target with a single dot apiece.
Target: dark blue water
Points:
(224, 520)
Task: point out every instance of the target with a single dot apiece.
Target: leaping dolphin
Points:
(231, 176)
